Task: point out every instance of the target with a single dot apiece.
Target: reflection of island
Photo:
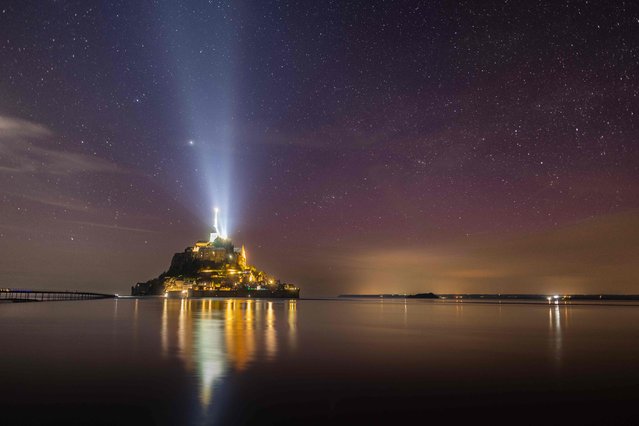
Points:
(212, 336)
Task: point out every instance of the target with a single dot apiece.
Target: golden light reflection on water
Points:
(459, 309)
(555, 332)
(164, 332)
(239, 326)
(405, 313)
(271, 333)
(212, 337)
(292, 323)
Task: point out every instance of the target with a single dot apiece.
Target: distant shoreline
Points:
(392, 296)
(487, 296)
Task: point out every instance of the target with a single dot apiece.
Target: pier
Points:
(22, 295)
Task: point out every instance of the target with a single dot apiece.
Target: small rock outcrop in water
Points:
(214, 268)
(422, 296)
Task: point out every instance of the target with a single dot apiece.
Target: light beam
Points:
(207, 92)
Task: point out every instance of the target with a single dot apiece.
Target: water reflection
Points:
(215, 337)
(271, 333)
(239, 327)
(319, 362)
(459, 309)
(405, 313)
(292, 323)
(210, 357)
(555, 333)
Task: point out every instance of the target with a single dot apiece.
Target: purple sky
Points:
(353, 147)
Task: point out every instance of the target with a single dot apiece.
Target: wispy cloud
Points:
(27, 147)
(109, 226)
(35, 168)
(16, 128)
(65, 202)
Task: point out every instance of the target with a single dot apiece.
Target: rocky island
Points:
(214, 268)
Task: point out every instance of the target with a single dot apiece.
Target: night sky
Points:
(374, 146)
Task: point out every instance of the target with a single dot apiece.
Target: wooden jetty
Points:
(22, 295)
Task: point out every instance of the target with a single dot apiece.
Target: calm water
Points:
(155, 361)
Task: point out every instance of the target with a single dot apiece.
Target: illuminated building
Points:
(214, 268)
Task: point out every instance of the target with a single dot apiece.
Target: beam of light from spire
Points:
(203, 53)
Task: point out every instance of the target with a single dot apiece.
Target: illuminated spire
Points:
(241, 259)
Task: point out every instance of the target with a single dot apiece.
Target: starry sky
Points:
(374, 146)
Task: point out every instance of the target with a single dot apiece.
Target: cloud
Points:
(112, 227)
(64, 202)
(16, 128)
(35, 168)
(26, 147)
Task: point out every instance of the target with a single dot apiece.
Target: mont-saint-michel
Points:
(214, 268)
